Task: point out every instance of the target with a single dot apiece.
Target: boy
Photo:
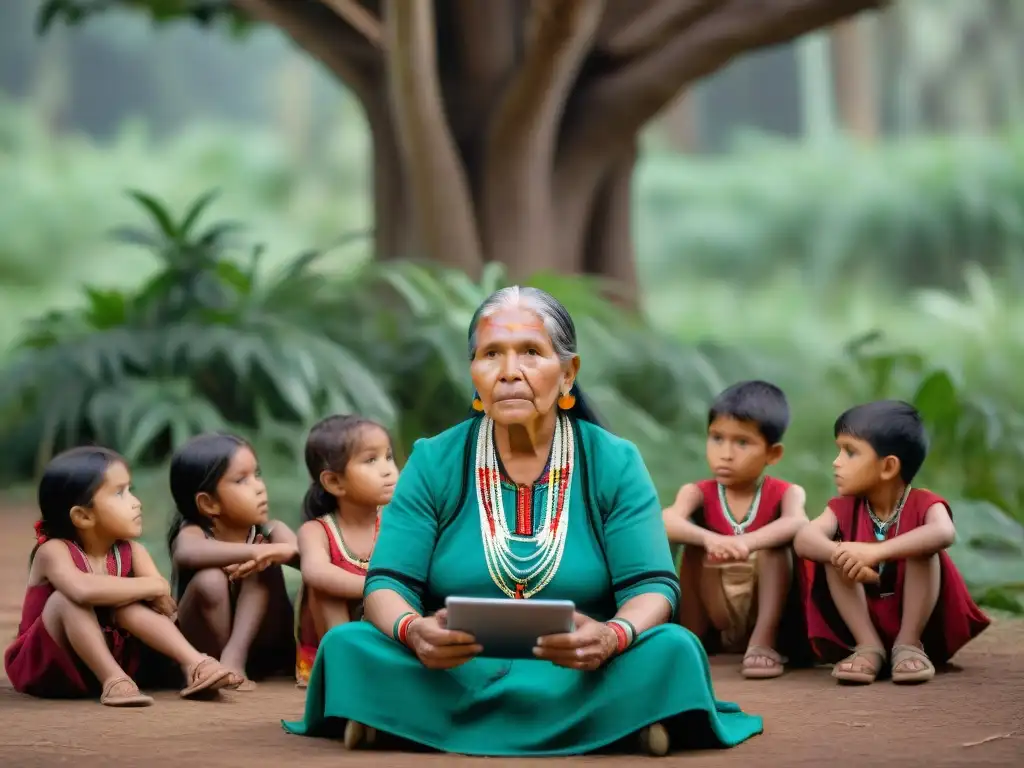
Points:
(737, 566)
(882, 579)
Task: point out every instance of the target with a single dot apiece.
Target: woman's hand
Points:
(590, 646)
(438, 647)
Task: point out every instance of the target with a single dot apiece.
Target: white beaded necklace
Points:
(540, 566)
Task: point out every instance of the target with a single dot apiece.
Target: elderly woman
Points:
(530, 497)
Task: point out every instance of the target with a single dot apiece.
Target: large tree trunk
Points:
(855, 90)
(507, 130)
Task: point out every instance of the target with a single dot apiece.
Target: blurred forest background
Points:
(186, 244)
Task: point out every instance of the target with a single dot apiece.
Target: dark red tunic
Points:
(956, 620)
(768, 509)
(38, 666)
(792, 637)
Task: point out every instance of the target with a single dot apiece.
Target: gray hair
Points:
(557, 321)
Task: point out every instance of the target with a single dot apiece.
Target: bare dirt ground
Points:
(973, 715)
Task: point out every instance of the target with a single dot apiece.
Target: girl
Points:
(227, 558)
(94, 592)
(353, 474)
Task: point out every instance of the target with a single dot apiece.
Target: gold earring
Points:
(567, 401)
(478, 404)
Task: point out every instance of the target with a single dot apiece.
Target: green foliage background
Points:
(841, 274)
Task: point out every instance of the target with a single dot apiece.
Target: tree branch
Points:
(618, 105)
(653, 23)
(524, 129)
(442, 203)
(318, 30)
(361, 19)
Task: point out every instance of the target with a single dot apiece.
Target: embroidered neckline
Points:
(740, 526)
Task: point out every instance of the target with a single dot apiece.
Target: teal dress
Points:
(430, 546)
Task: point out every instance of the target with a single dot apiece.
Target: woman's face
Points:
(515, 370)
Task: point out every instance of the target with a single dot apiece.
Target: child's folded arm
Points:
(816, 540)
(57, 567)
(194, 551)
(282, 534)
(937, 533)
(677, 521)
(782, 532)
(317, 570)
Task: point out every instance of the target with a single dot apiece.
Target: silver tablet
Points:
(506, 628)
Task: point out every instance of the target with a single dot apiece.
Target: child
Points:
(737, 565)
(353, 475)
(94, 593)
(882, 580)
(227, 558)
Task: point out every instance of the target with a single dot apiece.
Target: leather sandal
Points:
(861, 676)
(901, 654)
(205, 677)
(763, 671)
(123, 692)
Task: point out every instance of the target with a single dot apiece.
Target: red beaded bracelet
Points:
(401, 631)
(621, 636)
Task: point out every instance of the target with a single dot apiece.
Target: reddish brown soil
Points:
(971, 716)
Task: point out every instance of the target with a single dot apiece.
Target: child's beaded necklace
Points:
(882, 526)
(740, 527)
(353, 559)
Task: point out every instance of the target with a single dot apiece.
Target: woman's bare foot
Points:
(654, 740)
(358, 735)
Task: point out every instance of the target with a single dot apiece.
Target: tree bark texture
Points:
(506, 130)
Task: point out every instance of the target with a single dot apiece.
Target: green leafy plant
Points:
(206, 341)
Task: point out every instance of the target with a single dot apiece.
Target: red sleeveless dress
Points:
(791, 641)
(956, 620)
(307, 641)
(37, 665)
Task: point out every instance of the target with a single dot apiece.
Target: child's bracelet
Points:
(625, 634)
(400, 631)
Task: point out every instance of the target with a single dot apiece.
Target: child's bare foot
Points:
(910, 664)
(244, 684)
(205, 677)
(762, 663)
(238, 680)
(123, 692)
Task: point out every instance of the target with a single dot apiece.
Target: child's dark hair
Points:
(330, 446)
(197, 467)
(71, 479)
(758, 402)
(891, 428)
